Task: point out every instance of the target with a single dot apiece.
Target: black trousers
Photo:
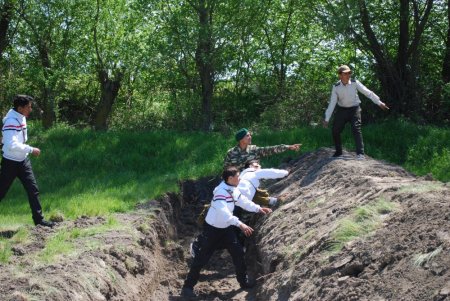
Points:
(209, 239)
(9, 171)
(343, 116)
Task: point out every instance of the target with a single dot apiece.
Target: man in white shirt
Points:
(219, 230)
(249, 181)
(15, 160)
(345, 95)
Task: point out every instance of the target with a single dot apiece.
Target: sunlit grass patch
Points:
(361, 222)
(6, 243)
(64, 241)
(5, 250)
(56, 246)
(422, 188)
(316, 203)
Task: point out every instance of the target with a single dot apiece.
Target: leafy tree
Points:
(46, 37)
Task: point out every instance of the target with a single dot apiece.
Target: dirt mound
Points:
(349, 230)
(329, 243)
(117, 258)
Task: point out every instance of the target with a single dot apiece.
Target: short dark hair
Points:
(247, 164)
(230, 171)
(21, 100)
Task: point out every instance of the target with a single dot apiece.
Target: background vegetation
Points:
(136, 95)
(209, 64)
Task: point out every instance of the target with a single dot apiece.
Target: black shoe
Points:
(247, 284)
(45, 223)
(187, 292)
(337, 154)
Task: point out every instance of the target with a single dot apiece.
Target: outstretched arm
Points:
(383, 106)
(295, 147)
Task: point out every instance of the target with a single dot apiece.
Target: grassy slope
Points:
(81, 172)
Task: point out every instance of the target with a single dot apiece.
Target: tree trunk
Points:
(48, 103)
(204, 62)
(5, 17)
(446, 64)
(397, 78)
(109, 91)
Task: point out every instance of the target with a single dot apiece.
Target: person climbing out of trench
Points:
(219, 229)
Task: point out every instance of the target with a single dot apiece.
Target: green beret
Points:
(241, 134)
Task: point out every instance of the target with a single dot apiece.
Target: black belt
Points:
(347, 108)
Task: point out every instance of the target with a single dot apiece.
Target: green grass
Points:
(316, 203)
(5, 244)
(83, 172)
(361, 222)
(5, 250)
(63, 241)
(416, 188)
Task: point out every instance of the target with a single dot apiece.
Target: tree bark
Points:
(48, 103)
(204, 60)
(446, 63)
(109, 87)
(279, 64)
(109, 91)
(5, 17)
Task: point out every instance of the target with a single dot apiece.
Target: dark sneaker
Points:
(337, 154)
(247, 284)
(45, 223)
(188, 292)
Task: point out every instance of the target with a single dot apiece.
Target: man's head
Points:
(253, 164)
(231, 175)
(344, 72)
(243, 137)
(22, 104)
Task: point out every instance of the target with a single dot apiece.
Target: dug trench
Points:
(349, 230)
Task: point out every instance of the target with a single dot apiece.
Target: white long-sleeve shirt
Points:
(15, 136)
(249, 180)
(347, 96)
(220, 214)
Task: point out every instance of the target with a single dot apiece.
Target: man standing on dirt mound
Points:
(15, 161)
(345, 95)
(219, 230)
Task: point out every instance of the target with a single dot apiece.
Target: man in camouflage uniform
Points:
(239, 156)
(245, 152)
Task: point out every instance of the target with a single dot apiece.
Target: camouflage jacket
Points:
(238, 157)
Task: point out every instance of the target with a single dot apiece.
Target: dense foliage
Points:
(217, 64)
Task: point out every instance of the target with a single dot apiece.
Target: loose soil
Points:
(143, 255)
